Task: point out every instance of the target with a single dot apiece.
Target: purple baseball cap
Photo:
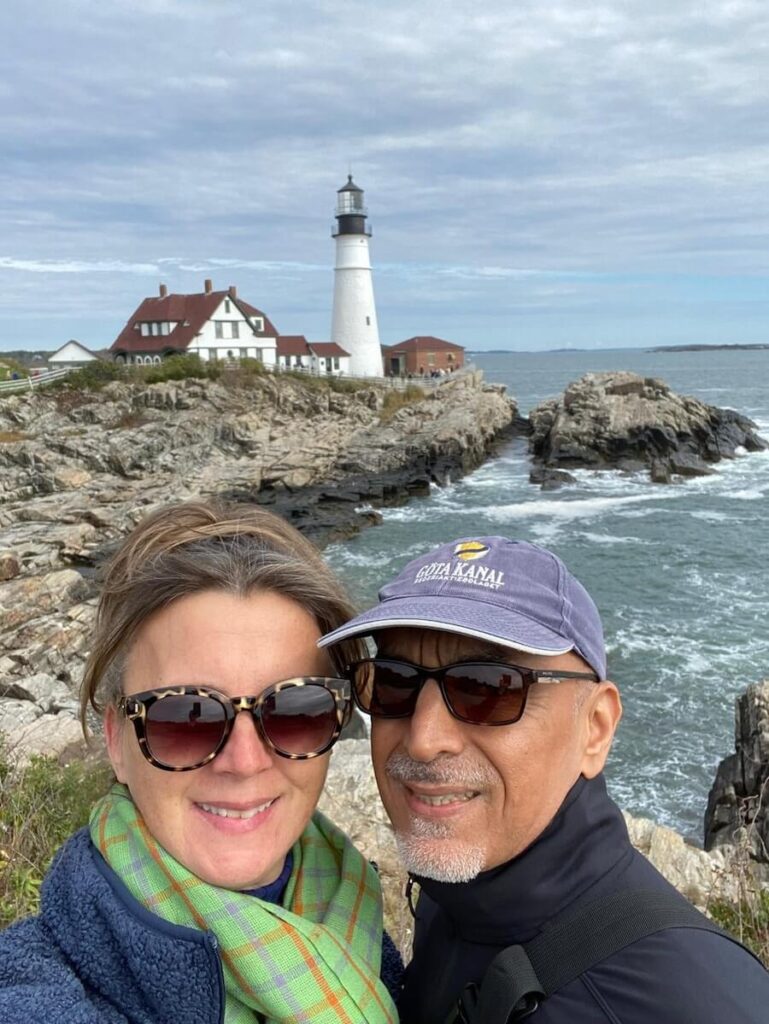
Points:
(508, 592)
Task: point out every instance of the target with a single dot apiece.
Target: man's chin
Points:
(441, 859)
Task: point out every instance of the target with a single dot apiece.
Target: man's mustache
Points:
(445, 770)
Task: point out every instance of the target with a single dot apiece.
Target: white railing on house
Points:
(32, 382)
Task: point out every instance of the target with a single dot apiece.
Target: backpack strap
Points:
(520, 977)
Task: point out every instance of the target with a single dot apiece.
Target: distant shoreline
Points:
(629, 348)
(708, 348)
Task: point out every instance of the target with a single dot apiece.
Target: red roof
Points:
(189, 312)
(327, 348)
(292, 345)
(425, 343)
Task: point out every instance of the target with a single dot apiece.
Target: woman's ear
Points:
(113, 736)
(602, 712)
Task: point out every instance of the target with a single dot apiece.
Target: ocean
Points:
(680, 572)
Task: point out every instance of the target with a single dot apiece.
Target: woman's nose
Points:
(245, 752)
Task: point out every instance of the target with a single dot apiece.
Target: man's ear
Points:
(601, 714)
(113, 736)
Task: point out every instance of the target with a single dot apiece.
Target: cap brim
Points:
(455, 615)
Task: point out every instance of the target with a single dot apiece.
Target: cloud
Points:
(498, 145)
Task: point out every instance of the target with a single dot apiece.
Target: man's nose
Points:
(245, 752)
(432, 728)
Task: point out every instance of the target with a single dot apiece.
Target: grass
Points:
(747, 920)
(41, 805)
(396, 400)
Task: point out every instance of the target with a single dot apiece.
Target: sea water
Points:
(680, 572)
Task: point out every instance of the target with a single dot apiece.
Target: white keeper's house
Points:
(295, 352)
(71, 356)
(210, 324)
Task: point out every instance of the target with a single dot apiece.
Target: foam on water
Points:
(566, 508)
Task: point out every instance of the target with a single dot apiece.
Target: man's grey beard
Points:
(429, 848)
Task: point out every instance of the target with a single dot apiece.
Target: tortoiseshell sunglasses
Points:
(184, 727)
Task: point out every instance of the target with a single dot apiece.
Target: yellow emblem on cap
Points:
(469, 550)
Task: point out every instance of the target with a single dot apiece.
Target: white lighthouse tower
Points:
(353, 325)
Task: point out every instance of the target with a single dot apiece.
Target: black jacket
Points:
(679, 976)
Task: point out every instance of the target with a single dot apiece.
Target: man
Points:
(492, 718)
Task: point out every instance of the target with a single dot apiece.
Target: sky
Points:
(538, 174)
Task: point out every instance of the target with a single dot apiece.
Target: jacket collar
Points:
(509, 904)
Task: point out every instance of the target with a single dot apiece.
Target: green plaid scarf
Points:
(315, 960)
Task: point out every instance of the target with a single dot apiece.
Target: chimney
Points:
(233, 291)
(163, 291)
(208, 285)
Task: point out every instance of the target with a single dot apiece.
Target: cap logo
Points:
(469, 550)
(461, 568)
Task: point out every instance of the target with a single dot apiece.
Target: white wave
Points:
(566, 509)
(712, 516)
(746, 495)
(610, 538)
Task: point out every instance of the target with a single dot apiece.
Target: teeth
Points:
(445, 798)
(226, 812)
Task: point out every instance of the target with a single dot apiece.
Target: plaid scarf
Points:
(315, 960)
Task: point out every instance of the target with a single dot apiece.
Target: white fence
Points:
(30, 383)
(397, 383)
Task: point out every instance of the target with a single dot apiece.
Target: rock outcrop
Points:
(84, 467)
(621, 420)
(738, 811)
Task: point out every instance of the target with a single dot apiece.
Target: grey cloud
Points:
(571, 137)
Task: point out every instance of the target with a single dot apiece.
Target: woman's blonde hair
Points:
(195, 546)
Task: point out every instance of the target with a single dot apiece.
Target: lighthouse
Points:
(353, 326)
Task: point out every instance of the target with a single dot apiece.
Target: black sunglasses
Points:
(476, 692)
(185, 727)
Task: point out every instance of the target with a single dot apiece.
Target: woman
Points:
(207, 888)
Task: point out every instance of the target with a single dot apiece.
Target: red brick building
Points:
(422, 355)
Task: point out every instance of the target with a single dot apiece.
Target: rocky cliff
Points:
(621, 420)
(738, 810)
(78, 469)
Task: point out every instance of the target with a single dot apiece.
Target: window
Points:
(145, 330)
(218, 329)
(368, 321)
(258, 323)
(155, 328)
(230, 354)
(156, 360)
(431, 359)
(235, 329)
(336, 362)
(226, 305)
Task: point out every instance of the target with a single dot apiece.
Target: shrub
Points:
(41, 805)
(91, 377)
(181, 367)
